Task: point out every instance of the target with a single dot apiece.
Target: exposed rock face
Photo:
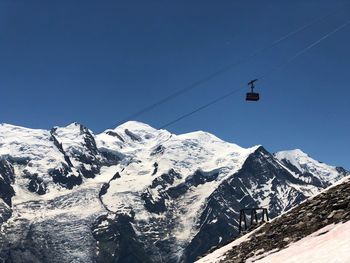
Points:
(331, 206)
(309, 170)
(79, 145)
(261, 181)
(6, 190)
(5, 212)
(117, 241)
(6, 179)
(137, 194)
(162, 184)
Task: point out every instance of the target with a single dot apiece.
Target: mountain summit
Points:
(138, 194)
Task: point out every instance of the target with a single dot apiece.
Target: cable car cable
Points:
(200, 108)
(313, 44)
(225, 68)
(301, 52)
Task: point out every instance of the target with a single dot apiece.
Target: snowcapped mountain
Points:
(309, 170)
(137, 194)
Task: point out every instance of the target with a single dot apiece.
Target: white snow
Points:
(70, 136)
(330, 244)
(307, 164)
(33, 145)
(72, 140)
(131, 136)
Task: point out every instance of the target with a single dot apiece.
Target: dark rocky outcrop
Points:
(117, 241)
(60, 147)
(6, 179)
(7, 171)
(133, 136)
(64, 177)
(5, 212)
(115, 134)
(105, 186)
(36, 184)
(155, 170)
(111, 157)
(199, 177)
(165, 190)
(6, 190)
(89, 159)
(305, 175)
(158, 150)
(163, 183)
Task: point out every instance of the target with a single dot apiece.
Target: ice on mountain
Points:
(308, 167)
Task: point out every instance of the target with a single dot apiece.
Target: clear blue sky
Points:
(97, 62)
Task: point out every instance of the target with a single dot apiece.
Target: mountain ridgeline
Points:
(138, 194)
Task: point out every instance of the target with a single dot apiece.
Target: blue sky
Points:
(97, 62)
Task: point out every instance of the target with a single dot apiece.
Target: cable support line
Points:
(292, 33)
(283, 64)
(224, 69)
(304, 50)
(201, 107)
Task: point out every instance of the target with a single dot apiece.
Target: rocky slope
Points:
(137, 194)
(313, 218)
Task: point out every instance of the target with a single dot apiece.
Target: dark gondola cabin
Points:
(252, 96)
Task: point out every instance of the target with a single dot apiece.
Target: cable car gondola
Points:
(252, 96)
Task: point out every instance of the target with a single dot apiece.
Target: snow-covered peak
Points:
(23, 143)
(300, 159)
(35, 156)
(78, 143)
(70, 127)
(70, 133)
(72, 137)
(185, 152)
(130, 136)
(209, 142)
(136, 126)
(292, 155)
(307, 165)
(201, 136)
(5, 127)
